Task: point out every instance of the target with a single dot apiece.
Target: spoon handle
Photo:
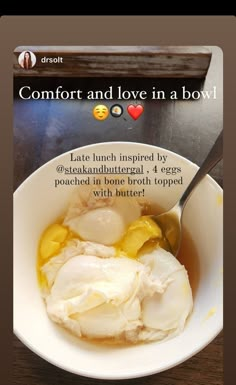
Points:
(214, 156)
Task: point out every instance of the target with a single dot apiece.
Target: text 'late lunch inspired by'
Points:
(110, 171)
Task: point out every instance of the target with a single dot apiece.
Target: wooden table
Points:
(45, 129)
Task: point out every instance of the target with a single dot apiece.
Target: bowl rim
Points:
(125, 374)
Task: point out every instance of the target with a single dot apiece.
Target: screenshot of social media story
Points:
(106, 138)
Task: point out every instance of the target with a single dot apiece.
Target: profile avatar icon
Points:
(27, 60)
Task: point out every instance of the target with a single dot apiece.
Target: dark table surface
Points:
(44, 129)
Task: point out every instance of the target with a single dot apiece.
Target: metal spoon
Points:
(170, 221)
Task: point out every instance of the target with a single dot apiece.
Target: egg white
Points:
(170, 309)
(98, 222)
(106, 296)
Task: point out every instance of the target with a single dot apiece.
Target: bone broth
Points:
(187, 255)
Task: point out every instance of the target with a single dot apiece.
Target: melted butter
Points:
(149, 246)
(211, 312)
(219, 199)
(185, 289)
(138, 233)
(41, 261)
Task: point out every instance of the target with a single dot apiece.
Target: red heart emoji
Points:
(135, 111)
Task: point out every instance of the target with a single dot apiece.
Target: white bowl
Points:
(37, 203)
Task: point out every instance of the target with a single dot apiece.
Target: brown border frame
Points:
(115, 30)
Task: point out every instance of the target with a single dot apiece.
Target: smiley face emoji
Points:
(100, 112)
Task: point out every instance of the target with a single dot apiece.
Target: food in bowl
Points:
(201, 253)
(105, 274)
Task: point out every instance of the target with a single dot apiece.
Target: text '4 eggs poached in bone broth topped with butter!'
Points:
(105, 274)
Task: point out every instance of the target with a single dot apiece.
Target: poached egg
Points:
(102, 297)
